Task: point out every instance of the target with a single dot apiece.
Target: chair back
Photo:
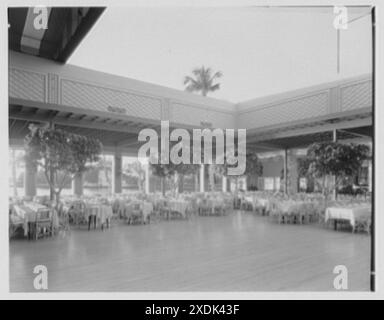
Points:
(43, 215)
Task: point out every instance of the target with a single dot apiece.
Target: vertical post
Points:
(77, 184)
(224, 184)
(29, 180)
(285, 161)
(196, 182)
(334, 139)
(176, 183)
(202, 178)
(245, 183)
(370, 176)
(116, 173)
(373, 211)
(52, 173)
(181, 183)
(147, 178)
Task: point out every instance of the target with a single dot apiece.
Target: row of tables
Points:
(25, 215)
(356, 213)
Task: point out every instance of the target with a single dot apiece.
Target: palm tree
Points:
(203, 82)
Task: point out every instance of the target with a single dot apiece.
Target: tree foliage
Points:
(202, 81)
(136, 171)
(172, 172)
(60, 154)
(254, 166)
(335, 159)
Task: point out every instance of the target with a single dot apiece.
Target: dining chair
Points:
(43, 224)
(362, 224)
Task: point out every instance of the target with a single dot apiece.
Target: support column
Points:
(245, 183)
(147, 178)
(196, 182)
(52, 173)
(29, 180)
(181, 183)
(202, 178)
(334, 195)
(285, 161)
(370, 176)
(117, 173)
(78, 184)
(224, 184)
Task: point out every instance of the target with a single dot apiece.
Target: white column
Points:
(77, 184)
(196, 182)
(334, 177)
(147, 178)
(202, 178)
(117, 173)
(285, 162)
(29, 180)
(224, 184)
(245, 183)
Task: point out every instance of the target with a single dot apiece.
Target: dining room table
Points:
(26, 214)
(147, 209)
(288, 210)
(179, 206)
(348, 212)
(97, 212)
(256, 203)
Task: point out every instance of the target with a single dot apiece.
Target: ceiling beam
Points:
(329, 117)
(80, 111)
(360, 135)
(311, 130)
(71, 122)
(265, 146)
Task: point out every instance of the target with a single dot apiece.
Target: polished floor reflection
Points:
(238, 252)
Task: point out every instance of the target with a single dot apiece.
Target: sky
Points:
(260, 51)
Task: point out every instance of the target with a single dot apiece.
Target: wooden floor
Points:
(239, 252)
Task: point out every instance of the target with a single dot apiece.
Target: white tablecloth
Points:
(101, 211)
(257, 202)
(348, 213)
(179, 206)
(28, 211)
(147, 209)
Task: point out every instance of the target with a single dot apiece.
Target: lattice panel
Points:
(192, 115)
(220, 119)
(26, 85)
(182, 113)
(98, 98)
(356, 96)
(302, 108)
